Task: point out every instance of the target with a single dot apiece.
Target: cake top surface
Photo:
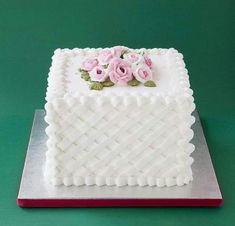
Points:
(117, 70)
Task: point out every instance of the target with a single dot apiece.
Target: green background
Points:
(203, 31)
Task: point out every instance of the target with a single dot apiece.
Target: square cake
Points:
(119, 117)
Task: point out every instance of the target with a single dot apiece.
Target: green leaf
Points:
(133, 82)
(84, 73)
(105, 66)
(150, 83)
(96, 86)
(82, 70)
(123, 52)
(107, 83)
(86, 77)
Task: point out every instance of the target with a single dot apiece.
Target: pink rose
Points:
(119, 71)
(105, 56)
(98, 74)
(148, 61)
(143, 73)
(133, 58)
(89, 64)
(117, 50)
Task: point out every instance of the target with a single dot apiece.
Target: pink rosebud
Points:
(104, 57)
(89, 64)
(133, 58)
(98, 74)
(148, 61)
(142, 73)
(119, 71)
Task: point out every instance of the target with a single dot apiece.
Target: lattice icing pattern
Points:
(127, 138)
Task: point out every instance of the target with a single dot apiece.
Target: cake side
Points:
(129, 138)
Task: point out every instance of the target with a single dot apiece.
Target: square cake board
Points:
(35, 191)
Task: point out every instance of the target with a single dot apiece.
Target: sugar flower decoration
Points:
(117, 66)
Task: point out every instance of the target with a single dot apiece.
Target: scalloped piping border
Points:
(122, 181)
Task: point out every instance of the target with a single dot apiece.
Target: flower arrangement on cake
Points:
(117, 65)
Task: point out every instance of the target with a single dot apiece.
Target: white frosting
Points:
(120, 135)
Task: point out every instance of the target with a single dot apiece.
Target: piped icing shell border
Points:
(123, 181)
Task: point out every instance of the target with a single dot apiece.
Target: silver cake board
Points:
(34, 191)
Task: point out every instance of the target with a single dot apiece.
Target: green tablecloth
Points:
(29, 32)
